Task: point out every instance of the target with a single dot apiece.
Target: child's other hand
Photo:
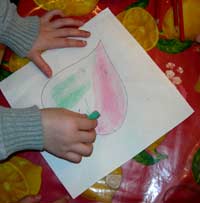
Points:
(67, 134)
(54, 33)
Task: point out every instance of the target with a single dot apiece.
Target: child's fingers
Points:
(83, 149)
(49, 15)
(86, 124)
(63, 22)
(88, 137)
(42, 65)
(65, 42)
(73, 157)
(71, 32)
(74, 43)
(74, 114)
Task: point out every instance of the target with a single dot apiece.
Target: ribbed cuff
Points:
(22, 129)
(21, 33)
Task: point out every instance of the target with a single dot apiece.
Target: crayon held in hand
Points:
(94, 115)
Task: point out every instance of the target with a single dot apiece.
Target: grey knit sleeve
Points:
(20, 129)
(16, 32)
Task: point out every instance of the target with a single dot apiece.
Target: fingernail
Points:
(84, 42)
(49, 73)
(88, 33)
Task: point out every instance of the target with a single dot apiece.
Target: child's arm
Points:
(20, 129)
(16, 32)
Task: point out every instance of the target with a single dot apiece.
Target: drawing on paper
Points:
(92, 83)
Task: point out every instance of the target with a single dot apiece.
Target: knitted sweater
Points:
(20, 129)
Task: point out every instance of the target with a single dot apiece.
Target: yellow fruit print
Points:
(191, 16)
(141, 26)
(104, 189)
(13, 185)
(18, 178)
(69, 7)
(16, 62)
(121, 15)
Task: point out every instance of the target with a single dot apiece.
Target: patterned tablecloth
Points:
(169, 170)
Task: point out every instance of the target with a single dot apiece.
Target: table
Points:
(169, 170)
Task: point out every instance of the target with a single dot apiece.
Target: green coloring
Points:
(69, 92)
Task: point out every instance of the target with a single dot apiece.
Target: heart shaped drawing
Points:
(92, 83)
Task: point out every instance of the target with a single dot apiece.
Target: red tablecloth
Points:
(170, 171)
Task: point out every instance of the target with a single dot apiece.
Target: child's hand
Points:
(67, 134)
(54, 34)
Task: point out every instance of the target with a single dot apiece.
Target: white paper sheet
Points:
(113, 75)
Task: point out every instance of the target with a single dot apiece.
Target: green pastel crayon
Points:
(94, 115)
